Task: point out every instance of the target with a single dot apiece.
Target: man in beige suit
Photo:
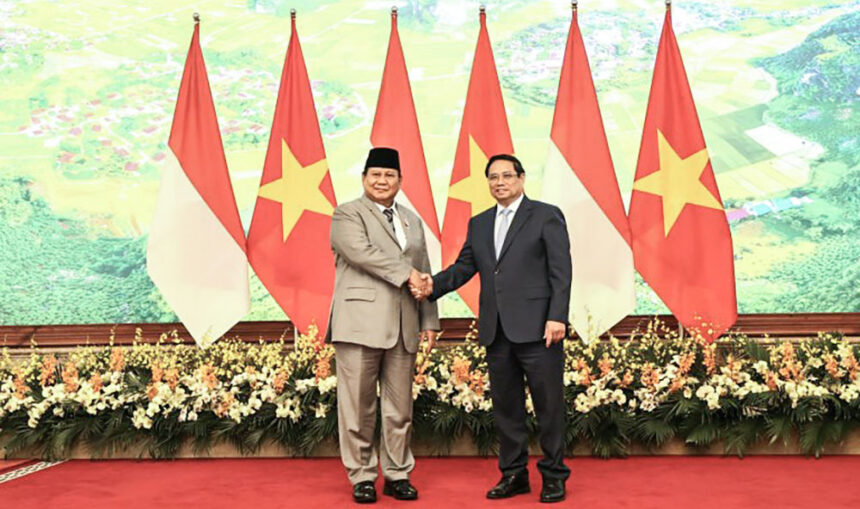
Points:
(376, 326)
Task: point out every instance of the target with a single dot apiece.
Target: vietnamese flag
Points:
(682, 244)
(288, 243)
(483, 133)
(579, 178)
(195, 253)
(396, 126)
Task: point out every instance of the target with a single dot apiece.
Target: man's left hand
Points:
(554, 332)
(430, 336)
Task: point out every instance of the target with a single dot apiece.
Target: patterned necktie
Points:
(389, 214)
(502, 231)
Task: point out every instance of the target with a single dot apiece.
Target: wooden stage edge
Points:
(797, 325)
(463, 446)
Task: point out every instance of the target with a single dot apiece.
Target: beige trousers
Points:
(359, 368)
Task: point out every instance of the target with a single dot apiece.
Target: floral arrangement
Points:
(647, 390)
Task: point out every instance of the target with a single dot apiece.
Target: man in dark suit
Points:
(521, 250)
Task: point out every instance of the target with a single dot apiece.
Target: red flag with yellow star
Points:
(288, 244)
(483, 133)
(682, 245)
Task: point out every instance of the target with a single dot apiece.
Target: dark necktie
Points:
(389, 214)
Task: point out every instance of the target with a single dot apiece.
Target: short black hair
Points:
(518, 166)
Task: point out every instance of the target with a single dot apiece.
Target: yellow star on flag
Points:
(297, 190)
(677, 182)
(474, 188)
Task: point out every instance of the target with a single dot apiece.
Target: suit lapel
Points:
(520, 219)
(483, 239)
(407, 226)
(374, 210)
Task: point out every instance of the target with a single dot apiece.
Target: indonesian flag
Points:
(288, 243)
(682, 245)
(396, 126)
(483, 134)
(580, 179)
(196, 249)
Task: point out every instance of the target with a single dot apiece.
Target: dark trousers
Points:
(509, 363)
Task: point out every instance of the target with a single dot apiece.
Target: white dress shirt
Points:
(398, 226)
(513, 212)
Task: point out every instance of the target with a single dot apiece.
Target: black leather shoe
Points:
(510, 485)
(364, 492)
(400, 490)
(552, 491)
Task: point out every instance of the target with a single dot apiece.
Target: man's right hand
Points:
(420, 284)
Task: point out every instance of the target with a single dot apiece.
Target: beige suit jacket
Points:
(372, 304)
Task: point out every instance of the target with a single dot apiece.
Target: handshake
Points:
(420, 284)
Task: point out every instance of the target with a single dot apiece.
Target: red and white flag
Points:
(288, 242)
(396, 126)
(579, 178)
(196, 249)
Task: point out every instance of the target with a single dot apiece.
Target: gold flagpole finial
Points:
(196, 18)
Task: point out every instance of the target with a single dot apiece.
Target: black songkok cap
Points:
(382, 157)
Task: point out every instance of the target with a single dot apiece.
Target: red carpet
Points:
(640, 482)
(7, 465)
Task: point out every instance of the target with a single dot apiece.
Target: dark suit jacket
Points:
(529, 284)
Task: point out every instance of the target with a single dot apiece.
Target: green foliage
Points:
(58, 272)
(608, 429)
(827, 280)
(817, 82)
(153, 400)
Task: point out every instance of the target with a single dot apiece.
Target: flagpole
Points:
(295, 327)
(680, 327)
